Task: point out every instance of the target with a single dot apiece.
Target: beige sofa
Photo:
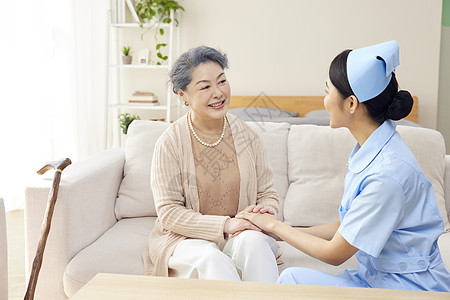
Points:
(105, 208)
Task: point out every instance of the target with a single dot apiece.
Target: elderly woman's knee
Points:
(254, 238)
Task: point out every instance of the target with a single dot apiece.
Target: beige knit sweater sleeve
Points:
(170, 176)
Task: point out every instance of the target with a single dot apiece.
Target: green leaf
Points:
(161, 31)
(159, 55)
(158, 63)
(165, 57)
(158, 46)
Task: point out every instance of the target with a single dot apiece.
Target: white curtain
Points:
(52, 95)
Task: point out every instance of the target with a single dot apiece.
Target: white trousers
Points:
(249, 257)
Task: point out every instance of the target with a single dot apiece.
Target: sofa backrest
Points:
(274, 136)
(135, 196)
(309, 164)
(317, 158)
(428, 146)
(318, 155)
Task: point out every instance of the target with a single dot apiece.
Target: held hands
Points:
(235, 226)
(265, 221)
(258, 208)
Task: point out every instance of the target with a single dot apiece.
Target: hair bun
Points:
(401, 106)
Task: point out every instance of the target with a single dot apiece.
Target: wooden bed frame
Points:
(299, 104)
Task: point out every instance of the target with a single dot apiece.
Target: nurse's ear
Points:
(352, 104)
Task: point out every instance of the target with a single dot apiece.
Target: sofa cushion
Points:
(119, 250)
(135, 196)
(428, 147)
(317, 158)
(444, 247)
(317, 166)
(274, 138)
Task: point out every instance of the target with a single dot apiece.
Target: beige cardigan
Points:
(176, 196)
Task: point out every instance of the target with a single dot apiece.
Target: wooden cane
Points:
(59, 166)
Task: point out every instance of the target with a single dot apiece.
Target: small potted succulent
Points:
(126, 58)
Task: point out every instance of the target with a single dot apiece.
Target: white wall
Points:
(285, 47)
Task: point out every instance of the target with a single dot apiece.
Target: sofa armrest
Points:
(447, 185)
(84, 210)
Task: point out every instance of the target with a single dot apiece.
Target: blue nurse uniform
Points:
(388, 211)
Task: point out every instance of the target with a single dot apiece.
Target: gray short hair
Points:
(180, 75)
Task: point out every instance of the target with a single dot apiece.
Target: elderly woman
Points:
(207, 167)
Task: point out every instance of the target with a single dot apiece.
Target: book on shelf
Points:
(142, 93)
(143, 98)
(143, 103)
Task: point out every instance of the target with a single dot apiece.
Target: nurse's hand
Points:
(260, 209)
(264, 221)
(234, 226)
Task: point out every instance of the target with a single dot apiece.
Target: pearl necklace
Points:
(202, 142)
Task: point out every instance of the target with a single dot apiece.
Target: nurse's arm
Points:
(324, 231)
(334, 251)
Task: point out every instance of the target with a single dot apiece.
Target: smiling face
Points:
(208, 93)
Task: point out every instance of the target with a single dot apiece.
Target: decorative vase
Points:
(144, 56)
(126, 59)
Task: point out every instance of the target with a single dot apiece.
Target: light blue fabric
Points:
(369, 69)
(389, 213)
(314, 277)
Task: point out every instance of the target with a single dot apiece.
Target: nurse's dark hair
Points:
(180, 75)
(390, 104)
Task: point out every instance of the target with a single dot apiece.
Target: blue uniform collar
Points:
(361, 157)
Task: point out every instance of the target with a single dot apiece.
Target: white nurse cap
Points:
(369, 69)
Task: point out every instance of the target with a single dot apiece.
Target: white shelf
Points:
(116, 100)
(137, 25)
(122, 66)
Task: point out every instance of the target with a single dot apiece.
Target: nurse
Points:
(388, 215)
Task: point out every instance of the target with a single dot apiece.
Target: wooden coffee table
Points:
(116, 286)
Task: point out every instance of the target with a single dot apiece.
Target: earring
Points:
(185, 103)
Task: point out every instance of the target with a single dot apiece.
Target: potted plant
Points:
(125, 120)
(158, 11)
(126, 58)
